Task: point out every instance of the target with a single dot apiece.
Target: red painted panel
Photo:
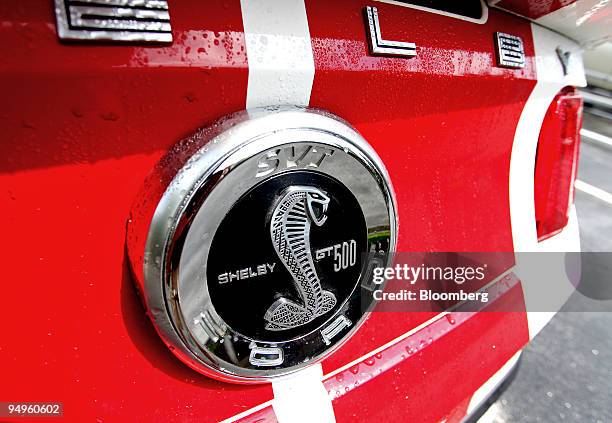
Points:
(443, 122)
(432, 374)
(82, 102)
(83, 124)
(533, 9)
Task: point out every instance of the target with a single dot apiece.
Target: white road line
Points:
(596, 99)
(595, 136)
(594, 191)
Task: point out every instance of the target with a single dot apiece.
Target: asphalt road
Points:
(566, 372)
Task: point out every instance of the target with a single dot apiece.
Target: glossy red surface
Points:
(443, 352)
(533, 9)
(83, 124)
(442, 122)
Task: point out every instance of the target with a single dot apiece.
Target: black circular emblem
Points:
(314, 276)
(248, 241)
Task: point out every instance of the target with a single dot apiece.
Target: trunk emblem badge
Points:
(252, 253)
(509, 49)
(104, 20)
(378, 45)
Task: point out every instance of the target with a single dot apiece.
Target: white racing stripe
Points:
(302, 397)
(344, 367)
(484, 392)
(594, 191)
(550, 79)
(281, 64)
(281, 71)
(522, 210)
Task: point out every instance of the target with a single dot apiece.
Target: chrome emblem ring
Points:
(248, 241)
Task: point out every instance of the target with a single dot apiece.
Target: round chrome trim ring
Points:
(201, 193)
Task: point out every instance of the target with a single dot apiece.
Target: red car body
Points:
(82, 126)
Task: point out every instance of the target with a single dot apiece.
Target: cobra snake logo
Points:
(290, 232)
